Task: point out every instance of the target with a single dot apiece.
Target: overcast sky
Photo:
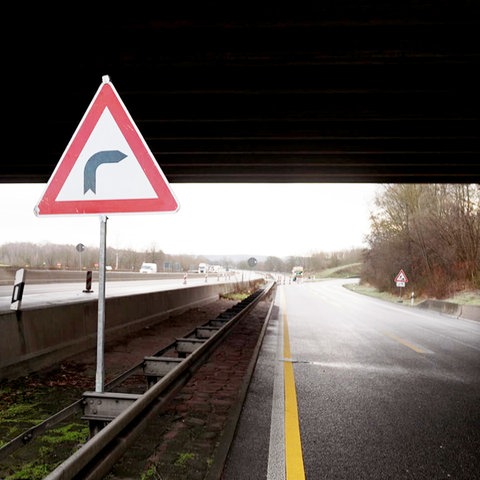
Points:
(217, 219)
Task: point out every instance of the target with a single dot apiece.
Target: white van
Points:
(148, 268)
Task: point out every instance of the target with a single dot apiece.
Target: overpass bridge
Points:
(342, 92)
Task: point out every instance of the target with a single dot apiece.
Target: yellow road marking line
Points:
(293, 444)
(412, 346)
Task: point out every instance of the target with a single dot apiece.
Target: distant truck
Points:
(148, 267)
(202, 268)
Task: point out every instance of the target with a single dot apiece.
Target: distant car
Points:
(148, 267)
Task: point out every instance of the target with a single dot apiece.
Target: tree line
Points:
(70, 257)
(73, 257)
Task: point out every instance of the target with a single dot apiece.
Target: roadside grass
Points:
(460, 298)
(345, 271)
(467, 297)
(234, 296)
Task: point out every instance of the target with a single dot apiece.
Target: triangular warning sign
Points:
(401, 277)
(107, 168)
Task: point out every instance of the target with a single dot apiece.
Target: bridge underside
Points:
(337, 92)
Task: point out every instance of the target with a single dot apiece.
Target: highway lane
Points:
(352, 387)
(43, 294)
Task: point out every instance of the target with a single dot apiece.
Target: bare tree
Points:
(433, 231)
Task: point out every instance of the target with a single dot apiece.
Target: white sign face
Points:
(400, 284)
(93, 179)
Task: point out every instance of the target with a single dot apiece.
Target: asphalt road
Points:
(351, 387)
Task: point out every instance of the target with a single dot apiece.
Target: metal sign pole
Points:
(99, 382)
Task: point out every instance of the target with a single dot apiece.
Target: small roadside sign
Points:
(107, 167)
(401, 279)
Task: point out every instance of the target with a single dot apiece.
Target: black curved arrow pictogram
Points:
(99, 158)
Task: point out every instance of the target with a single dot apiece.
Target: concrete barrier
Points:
(31, 339)
(36, 276)
(470, 312)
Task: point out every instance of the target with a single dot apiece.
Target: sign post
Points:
(99, 379)
(107, 168)
(80, 248)
(401, 280)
